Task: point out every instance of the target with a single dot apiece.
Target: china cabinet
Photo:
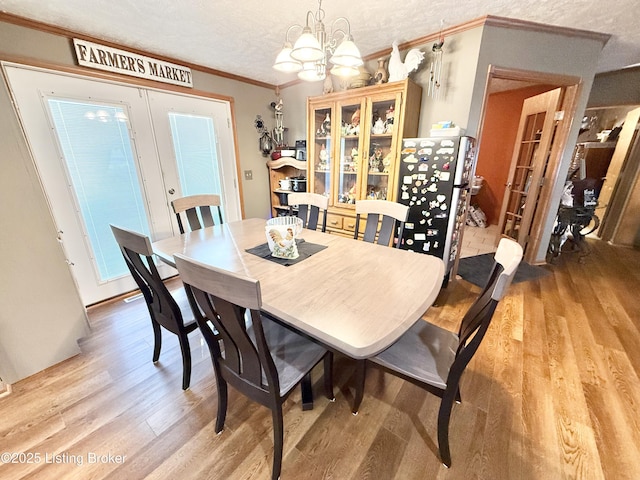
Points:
(354, 142)
(281, 169)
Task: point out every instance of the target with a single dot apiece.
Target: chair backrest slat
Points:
(388, 214)
(476, 321)
(243, 358)
(309, 207)
(137, 252)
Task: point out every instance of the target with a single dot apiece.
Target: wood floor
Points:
(553, 393)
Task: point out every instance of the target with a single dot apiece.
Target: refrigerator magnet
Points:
(411, 167)
(427, 143)
(441, 198)
(426, 247)
(407, 180)
(432, 232)
(445, 176)
(405, 195)
(408, 226)
(445, 151)
(420, 236)
(423, 167)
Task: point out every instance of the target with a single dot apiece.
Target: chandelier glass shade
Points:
(308, 55)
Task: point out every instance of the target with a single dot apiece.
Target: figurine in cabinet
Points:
(378, 127)
(325, 126)
(388, 123)
(323, 157)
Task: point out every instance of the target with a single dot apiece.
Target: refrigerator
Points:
(435, 177)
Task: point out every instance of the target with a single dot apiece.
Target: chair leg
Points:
(328, 376)
(444, 415)
(157, 340)
(222, 403)
(186, 360)
(361, 367)
(278, 441)
(307, 392)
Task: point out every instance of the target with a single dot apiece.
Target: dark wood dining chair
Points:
(435, 358)
(263, 360)
(163, 308)
(197, 209)
(309, 207)
(388, 215)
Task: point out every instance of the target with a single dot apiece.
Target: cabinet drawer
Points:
(334, 221)
(349, 224)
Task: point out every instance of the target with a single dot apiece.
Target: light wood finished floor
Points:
(553, 393)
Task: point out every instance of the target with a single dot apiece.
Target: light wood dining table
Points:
(355, 297)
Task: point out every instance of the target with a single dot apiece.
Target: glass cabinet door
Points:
(350, 150)
(380, 162)
(321, 152)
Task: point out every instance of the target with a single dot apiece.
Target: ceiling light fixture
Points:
(308, 55)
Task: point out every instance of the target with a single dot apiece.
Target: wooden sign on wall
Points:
(101, 57)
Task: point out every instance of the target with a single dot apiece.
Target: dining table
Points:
(355, 297)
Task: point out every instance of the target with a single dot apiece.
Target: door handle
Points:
(171, 191)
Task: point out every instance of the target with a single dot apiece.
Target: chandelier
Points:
(308, 55)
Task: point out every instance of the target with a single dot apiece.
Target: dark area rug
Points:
(476, 270)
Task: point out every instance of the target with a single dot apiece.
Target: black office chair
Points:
(264, 360)
(197, 209)
(434, 358)
(309, 207)
(385, 213)
(163, 308)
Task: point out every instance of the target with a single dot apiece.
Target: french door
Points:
(536, 132)
(108, 153)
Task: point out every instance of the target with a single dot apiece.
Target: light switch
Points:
(248, 174)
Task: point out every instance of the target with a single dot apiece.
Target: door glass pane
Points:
(195, 148)
(96, 146)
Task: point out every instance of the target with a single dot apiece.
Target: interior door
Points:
(97, 155)
(534, 139)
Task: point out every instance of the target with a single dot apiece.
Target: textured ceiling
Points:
(242, 37)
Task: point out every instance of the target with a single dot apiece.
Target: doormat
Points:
(476, 270)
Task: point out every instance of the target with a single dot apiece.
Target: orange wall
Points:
(496, 146)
